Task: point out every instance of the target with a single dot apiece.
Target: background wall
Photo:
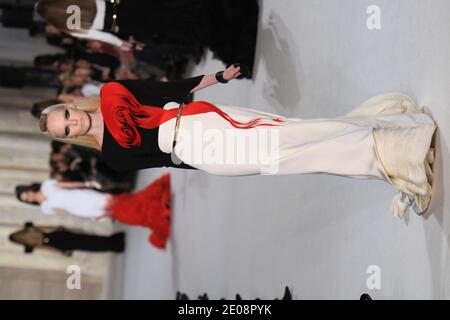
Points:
(24, 158)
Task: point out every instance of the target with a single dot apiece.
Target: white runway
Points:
(316, 234)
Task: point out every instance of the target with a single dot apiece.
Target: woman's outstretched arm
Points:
(77, 184)
(229, 74)
(174, 90)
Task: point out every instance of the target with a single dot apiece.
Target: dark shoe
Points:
(365, 296)
(287, 294)
(181, 296)
(203, 297)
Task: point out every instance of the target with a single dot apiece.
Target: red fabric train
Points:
(149, 208)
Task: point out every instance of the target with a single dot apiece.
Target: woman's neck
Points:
(97, 126)
(41, 197)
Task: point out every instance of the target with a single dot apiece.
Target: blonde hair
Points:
(89, 105)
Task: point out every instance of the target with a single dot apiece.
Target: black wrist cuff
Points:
(219, 77)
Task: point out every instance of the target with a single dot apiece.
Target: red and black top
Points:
(147, 154)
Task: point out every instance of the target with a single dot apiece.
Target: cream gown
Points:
(385, 138)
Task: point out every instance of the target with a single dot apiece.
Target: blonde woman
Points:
(137, 125)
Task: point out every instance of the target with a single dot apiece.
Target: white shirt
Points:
(96, 33)
(91, 89)
(85, 203)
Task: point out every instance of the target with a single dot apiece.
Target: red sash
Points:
(122, 114)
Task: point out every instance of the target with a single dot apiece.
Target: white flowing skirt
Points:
(384, 138)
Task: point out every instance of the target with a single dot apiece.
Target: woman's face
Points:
(68, 122)
(64, 67)
(29, 196)
(82, 72)
(78, 80)
(65, 148)
(56, 157)
(62, 167)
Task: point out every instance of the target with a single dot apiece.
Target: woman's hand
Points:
(93, 185)
(81, 63)
(75, 163)
(126, 46)
(231, 73)
(132, 44)
(106, 73)
(137, 45)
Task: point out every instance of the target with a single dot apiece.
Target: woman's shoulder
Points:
(48, 185)
(46, 208)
